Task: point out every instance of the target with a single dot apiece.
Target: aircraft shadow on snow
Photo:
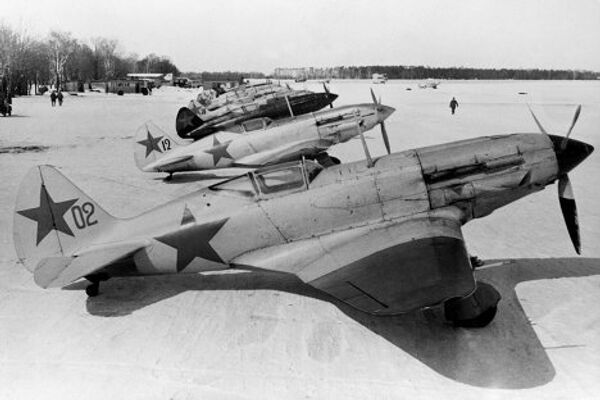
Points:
(506, 354)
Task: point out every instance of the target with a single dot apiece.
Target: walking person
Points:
(60, 97)
(53, 98)
(453, 105)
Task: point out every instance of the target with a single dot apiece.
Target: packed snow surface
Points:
(249, 336)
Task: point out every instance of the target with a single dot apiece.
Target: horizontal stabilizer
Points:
(61, 271)
(169, 161)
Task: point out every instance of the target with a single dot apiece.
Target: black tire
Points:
(120, 93)
(145, 91)
(474, 311)
(481, 321)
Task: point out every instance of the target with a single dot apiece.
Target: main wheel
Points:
(476, 310)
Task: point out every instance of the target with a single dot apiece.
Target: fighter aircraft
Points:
(383, 236)
(309, 135)
(244, 93)
(189, 125)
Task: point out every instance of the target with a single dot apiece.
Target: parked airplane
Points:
(383, 236)
(307, 136)
(190, 125)
(429, 83)
(244, 93)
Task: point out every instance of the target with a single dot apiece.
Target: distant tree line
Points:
(424, 72)
(26, 61)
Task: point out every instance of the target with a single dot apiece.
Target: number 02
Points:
(83, 215)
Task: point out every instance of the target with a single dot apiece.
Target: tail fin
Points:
(186, 121)
(54, 218)
(151, 143)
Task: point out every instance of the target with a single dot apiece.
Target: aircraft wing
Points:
(60, 271)
(388, 268)
(288, 152)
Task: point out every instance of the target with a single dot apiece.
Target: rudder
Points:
(53, 217)
(152, 143)
(186, 121)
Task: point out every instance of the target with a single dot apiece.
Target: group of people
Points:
(56, 96)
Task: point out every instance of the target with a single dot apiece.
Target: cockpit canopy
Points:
(272, 181)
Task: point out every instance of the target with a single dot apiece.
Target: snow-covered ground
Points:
(251, 336)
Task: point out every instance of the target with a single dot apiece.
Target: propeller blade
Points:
(328, 92)
(386, 140)
(563, 145)
(569, 210)
(288, 86)
(373, 97)
(536, 121)
(379, 100)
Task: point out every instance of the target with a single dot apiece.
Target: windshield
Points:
(280, 180)
(271, 180)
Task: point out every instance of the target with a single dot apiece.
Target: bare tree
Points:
(105, 50)
(8, 45)
(60, 47)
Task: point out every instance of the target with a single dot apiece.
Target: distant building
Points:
(73, 86)
(306, 73)
(292, 73)
(122, 86)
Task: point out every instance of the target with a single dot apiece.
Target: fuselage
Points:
(291, 203)
(305, 135)
(273, 106)
(246, 94)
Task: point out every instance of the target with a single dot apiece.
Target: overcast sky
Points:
(247, 35)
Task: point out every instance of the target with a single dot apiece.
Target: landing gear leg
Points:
(474, 311)
(93, 289)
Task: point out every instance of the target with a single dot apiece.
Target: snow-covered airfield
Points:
(265, 336)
